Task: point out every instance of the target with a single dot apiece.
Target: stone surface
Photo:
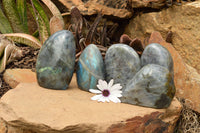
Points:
(15, 76)
(156, 4)
(152, 86)
(155, 53)
(56, 61)
(122, 63)
(186, 78)
(30, 108)
(117, 8)
(90, 68)
(3, 128)
(183, 21)
(91, 7)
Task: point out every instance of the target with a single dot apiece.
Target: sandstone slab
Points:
(186, 78)
(183, 21)
(117, 8)
(30, 108)
(15, 76)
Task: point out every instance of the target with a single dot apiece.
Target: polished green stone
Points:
(56, 61)
(122, 63)
(90, 68)
(155, 53)
(152, 86)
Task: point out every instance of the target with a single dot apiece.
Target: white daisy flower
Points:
(107, 92)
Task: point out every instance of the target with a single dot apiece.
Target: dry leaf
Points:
(56, 22)
(24, 39)
(11, 52)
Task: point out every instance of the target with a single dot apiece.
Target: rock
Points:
(56, 61)
(122, 63)
(30, 108)
(91, 7)
(183, 21)
(3, 128)
(155, 53)
(116, 8)
(186, 78)
(15, 76)
(156, 4)
(90, 68)
(152, 86)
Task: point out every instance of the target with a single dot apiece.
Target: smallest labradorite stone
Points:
(90, 68)
(155, 53)
(56, 61)
(152, 86)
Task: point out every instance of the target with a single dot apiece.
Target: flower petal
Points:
(116, 91)
(110, 83)
(102, 84)
(95, 91)
(117, 94)
(100, 87)
(100, 81)
(114, 99)
(102, 99)
(116, 87)
(107, 99)
(96, 97)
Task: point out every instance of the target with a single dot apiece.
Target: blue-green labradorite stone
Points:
(56, 60)
(155, 53)
(122, 63)
(90, 68)
(152, 86)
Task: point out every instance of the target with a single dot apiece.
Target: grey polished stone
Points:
(90, 68)
(155, 53)
(152, 86)
(56, 60)
(122, 63)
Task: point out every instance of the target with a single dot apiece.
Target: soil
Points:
(28, 61)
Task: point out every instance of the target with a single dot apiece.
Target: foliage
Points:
(8, 52)
(14, 26)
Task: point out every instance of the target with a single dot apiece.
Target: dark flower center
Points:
(106, 93)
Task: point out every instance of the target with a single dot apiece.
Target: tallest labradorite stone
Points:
(56, 60)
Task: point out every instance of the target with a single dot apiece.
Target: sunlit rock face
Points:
(90, 68)
(56, 61)
(122, 63)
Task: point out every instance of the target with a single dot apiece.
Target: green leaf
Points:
(22, 10)
(5, 26)
(36, 34)
(42, 27)
(13, 16)
(42, 14)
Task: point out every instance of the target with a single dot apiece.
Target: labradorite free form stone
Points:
(152, 86)
(56, 60)
(90, 68)
(122, 63)
(155, 53)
